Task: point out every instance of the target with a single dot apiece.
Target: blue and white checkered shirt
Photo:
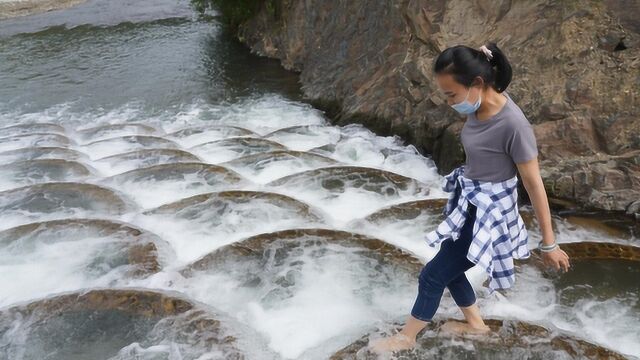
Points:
(499, 233)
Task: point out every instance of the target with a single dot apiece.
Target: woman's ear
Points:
(478, 80)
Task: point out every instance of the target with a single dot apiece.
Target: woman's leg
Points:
(448, 265)
(462, 291)
(464, 296)
(447, 269)
(431, 284)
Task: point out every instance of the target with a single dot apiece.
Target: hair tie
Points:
(487, 52)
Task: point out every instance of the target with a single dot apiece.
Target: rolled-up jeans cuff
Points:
(419, 317)
(466, 305)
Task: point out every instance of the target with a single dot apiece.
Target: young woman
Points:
(483, 225)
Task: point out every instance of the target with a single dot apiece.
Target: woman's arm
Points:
(532, 181)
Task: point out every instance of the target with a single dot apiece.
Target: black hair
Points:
(465, 64)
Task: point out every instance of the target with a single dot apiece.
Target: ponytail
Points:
(465, 64)
(502, 68)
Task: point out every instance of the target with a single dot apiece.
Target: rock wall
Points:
(576, 77)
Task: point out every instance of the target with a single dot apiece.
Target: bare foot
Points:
(457, 327)
(396, 342)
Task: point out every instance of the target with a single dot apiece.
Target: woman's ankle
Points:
(413, 327)
(473, 317)
(476, 324)
(409, 338)
(481, 326)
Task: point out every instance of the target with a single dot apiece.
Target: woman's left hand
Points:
(557, 259)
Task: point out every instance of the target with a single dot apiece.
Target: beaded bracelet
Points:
(547, 248)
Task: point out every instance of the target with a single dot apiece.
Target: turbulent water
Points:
(141, 148)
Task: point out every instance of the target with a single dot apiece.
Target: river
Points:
(142, 148)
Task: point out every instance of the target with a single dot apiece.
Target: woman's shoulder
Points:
(515, 117)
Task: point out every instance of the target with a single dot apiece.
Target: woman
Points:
(483, 225)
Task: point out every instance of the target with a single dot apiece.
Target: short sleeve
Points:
(522, 145)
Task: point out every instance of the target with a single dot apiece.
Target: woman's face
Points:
(455, 92)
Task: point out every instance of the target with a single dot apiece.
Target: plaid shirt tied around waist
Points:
(499, 233)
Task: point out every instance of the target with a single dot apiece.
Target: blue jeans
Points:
(447, 269)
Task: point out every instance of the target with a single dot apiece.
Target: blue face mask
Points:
(466, 107)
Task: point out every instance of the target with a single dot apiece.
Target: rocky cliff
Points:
(576, 77)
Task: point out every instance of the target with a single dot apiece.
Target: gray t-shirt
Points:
(494, 145)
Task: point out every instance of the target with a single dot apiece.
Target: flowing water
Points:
(141, 148)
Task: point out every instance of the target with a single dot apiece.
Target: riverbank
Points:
(372, 66)
(15, 8)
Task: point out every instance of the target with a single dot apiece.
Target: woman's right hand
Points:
(558, 259)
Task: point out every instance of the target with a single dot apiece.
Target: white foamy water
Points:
(47, 268)
(215, 187)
